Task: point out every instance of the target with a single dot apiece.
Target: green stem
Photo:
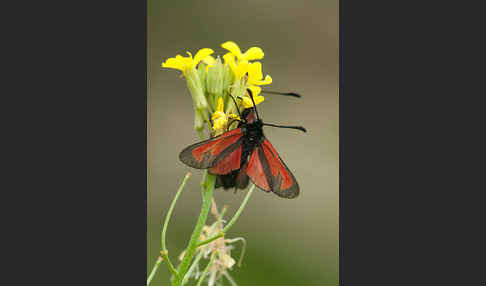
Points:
(200, 132)
(238, 212)
(154, 270)
(221, 234)
(207, 193)
(232, 221)
(193, 266)
(206, 118)
(165, 255)
(164, 251)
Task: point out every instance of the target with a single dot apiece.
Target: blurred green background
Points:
(289, 242)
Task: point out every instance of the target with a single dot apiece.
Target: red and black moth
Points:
(244, 154)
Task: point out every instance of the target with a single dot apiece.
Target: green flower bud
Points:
(214, 79)
(228, 78)
(201, 70)
(195, 88)
(198, 120)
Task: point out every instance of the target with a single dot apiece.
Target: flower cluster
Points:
(219, 88)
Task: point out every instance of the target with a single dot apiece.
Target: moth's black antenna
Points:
(231, 122)
(285, 126)
(254, 105)
(282, 93)
(236, 105)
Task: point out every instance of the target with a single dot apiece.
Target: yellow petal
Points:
(254, 53)
(255, 71)
(229, 59)
(233, 48)
(200, 55)
(234, 116)
(255, 90)
(178, 62)
(268, 80)
(258, 99)
(217, 115)
(219, 123)
(240, 69)
(220, 107)
(209, 60)
(247, 103)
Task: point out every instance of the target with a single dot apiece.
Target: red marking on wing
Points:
(256, 172)
(219, 144)
(228, 164)
(276, 165)
(224, 143)
(198, 152)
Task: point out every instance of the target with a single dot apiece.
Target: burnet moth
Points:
(228, 181)
(244, 154)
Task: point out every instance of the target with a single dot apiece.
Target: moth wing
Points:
(269, 172)
(208, 153)
(228, 161)
(237, 179)
(242, 179)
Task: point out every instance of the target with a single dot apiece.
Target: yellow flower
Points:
(253, 53)
(246, 101)
(255, 90)
(239, 69)
(255, 75)
(254, 71)
(220, 119)
(209, 61)
(187, 63)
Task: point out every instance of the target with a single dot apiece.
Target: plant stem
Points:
(201, 135)
(171, 208)
(154, 270)
(232, 221)
(165, 255)
(164, 252)
(206, 118)
(193, 266)
(207, 193)
(221, 234)
(238, 212)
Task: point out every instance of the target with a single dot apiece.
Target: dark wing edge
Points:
(281, 180)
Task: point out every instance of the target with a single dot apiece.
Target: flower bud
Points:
(214, 79)
(195, 88)
(228, 78)
(201, 71)
(198, 120)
